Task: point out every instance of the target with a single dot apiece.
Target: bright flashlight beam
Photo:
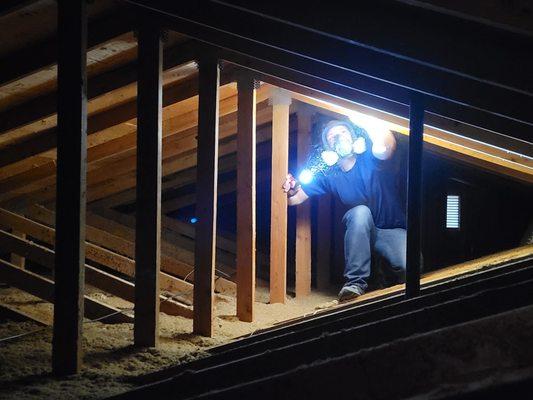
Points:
(306, 176)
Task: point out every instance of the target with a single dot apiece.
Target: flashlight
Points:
(306, 176)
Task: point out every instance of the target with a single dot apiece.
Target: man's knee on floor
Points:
(358, 217)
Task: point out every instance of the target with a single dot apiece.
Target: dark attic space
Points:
(221, 199)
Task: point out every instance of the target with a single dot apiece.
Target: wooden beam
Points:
(303, 211)
(94, 276)
(280, 102)
(112, 151)
(94, 235)
(246, 180)
(112, 162)
(71, 187)
(15, 258)
(44, 142)
(99, 88)
(174, 260)
(148, 206)
(206, 206)
(104, 256)
(414, 197)
(44, 288)
(13, 313)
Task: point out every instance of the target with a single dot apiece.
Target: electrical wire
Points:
(8, 338)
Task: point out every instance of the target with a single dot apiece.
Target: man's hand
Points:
(293, 190)
(289, 184)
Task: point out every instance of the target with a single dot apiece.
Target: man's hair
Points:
(355, 131)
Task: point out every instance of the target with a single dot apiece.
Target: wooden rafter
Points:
(94, 276)
(94, 253)
(44, 289)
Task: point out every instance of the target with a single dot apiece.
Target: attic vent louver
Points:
(453, 212)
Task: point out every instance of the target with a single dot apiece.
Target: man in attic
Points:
(364, 166)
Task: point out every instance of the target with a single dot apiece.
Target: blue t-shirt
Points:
(380, 185)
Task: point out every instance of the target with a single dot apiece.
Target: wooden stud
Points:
(246, 187)
(148, 217)
(280, 102)
(303, 211)
(206, 205)
(414, 197)
(71, 187)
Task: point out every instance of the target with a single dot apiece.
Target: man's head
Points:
(340, 137)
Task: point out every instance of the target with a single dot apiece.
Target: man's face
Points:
(340, 139)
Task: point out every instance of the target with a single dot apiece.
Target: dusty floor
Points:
(109, 356)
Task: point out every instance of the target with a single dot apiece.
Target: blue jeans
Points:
(362, 237)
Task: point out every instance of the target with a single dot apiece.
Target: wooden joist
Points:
(179, 169)
(116, 124)
(94, 235)
(44, 289)
(93, 276)
(122, 224)
(16, 314)
(95, 253)
(116, 158)
(102, 89)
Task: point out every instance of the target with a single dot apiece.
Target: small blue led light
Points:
(193, 220)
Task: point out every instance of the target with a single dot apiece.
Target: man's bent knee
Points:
(358, 216)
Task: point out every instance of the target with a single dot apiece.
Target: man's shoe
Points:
(350, 292)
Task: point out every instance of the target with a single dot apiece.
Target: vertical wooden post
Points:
(414, 197)
(206, 194)
(246, 198)
(148, 205)
(71, 187)
(17, 260)
(323, 241)
(303, 212)
(280, 102)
